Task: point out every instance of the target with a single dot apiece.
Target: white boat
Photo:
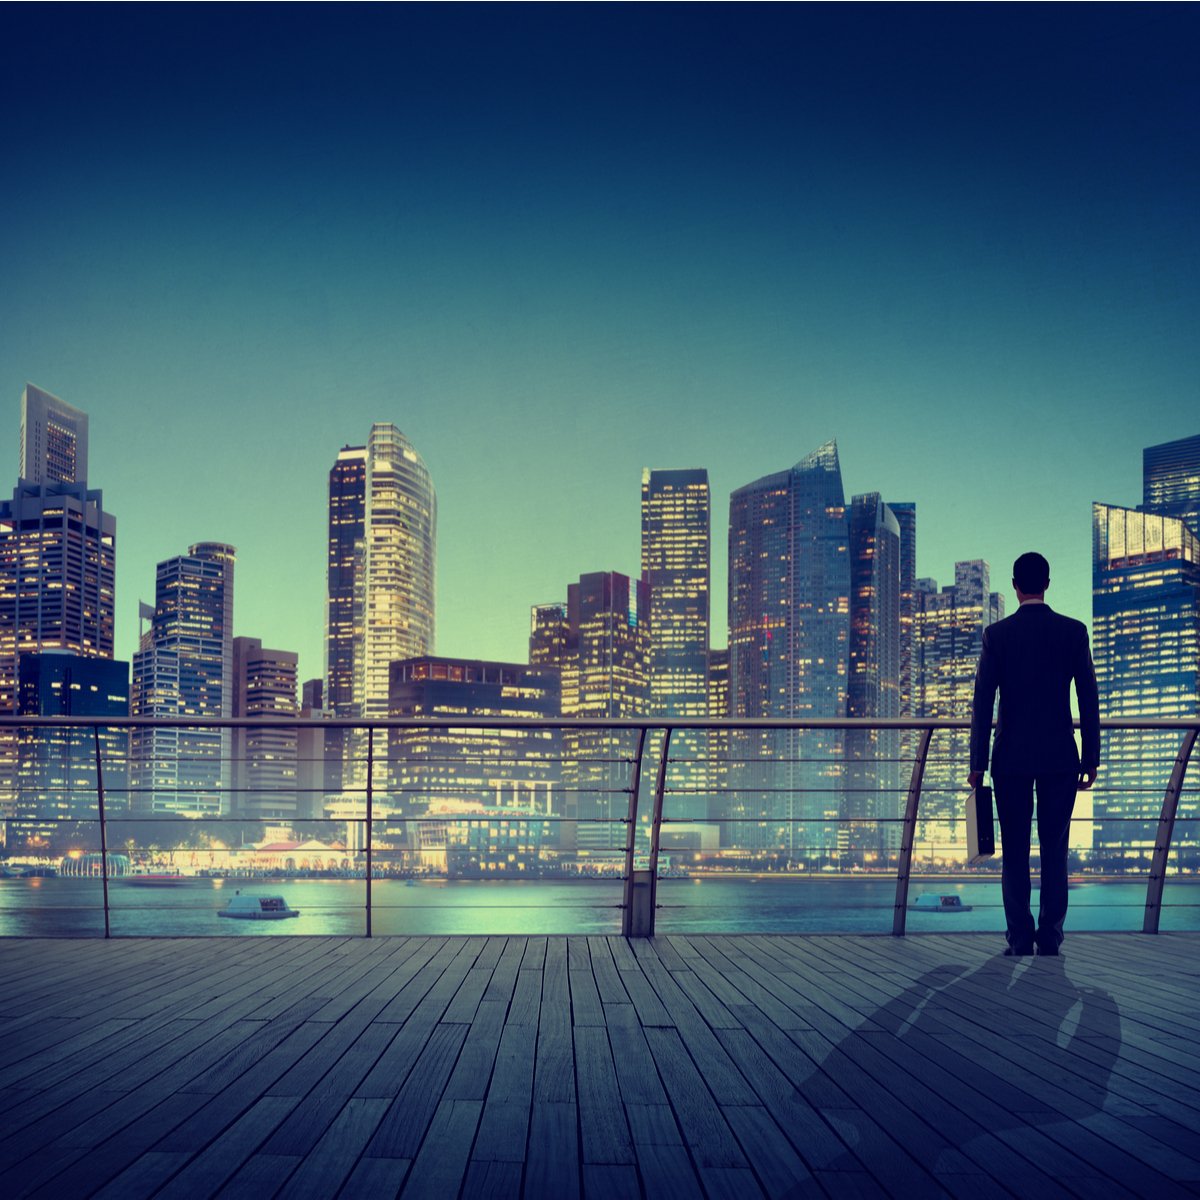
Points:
(258, 908)
(933, 903)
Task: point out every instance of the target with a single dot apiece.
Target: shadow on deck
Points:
(560, 1067)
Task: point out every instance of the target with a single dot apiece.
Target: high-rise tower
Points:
(675, 565)
(58, 556)
(1171, 480)
(789, 630)
(184, 668)
(873, 688)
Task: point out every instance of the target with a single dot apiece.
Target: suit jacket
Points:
(1032, 658)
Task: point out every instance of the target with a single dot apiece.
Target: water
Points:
(743, 904)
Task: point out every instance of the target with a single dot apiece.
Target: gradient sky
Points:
(555, 245)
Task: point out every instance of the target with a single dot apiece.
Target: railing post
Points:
(660, 787)
(370, 814)
(103, 827)
(904, 867)
(627, 906)
(1166, 829)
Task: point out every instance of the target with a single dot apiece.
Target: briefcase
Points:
(981, 827)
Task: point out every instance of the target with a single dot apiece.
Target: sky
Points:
(556, 245)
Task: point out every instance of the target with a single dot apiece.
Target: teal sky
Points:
(557, 245)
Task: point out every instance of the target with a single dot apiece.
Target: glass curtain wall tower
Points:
(184, 668)
(1146, 646)
(676, 532)
(789, 632)
(58, 556)
(873, 802)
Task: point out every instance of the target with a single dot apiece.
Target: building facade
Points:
(264, 760)
(1171, 480)
(676, 536)
(947, 641)
(58, 788)
(873, 803)
(1146, 647)
(789, 634)
(184, 668)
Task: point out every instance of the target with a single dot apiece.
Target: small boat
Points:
(40, 873)
(932, 903)
(258, 908)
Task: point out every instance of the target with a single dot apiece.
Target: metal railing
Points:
(652, 751)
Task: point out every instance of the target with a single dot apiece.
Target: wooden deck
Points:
(595, 1067)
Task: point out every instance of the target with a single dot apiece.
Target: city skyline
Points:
(555, 252)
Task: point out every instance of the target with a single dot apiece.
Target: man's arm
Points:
(982, 707)
(1088, 695)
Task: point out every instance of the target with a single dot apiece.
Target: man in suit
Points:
(1032, 658)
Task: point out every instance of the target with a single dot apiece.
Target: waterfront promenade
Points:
(718, 1066)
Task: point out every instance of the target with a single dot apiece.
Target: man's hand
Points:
(1086, 779)
(975, 779)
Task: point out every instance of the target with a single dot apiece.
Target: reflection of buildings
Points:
(56, 767)
(947, 638)
(789, 628)
(1146, 646)
(264, 760)
(57, 555)
(873, 687)
(675, 566)
(184, 668)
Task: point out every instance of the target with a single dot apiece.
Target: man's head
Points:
(1031, 574)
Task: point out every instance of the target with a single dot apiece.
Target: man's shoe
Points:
(1047, 951)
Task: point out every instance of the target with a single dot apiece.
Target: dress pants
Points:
(1014, 808)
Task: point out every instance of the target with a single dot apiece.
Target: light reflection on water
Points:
(753, 904)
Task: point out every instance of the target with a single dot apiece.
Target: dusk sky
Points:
(556, 245)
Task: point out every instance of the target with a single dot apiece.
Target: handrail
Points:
(644, 925)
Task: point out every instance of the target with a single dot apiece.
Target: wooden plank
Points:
(473, 1071)
(403, 1127)
(492, 1181)
(552, 1164)
(374, 1178)
(330, 1162)
(704, 1128)
(504, 1126)
(668, 1171)
(636, 1075)
(144, 1177)
(585, 999)
(261, 1175)
(602, 1119)
(774, 1157)
(606, 1181)
(441, 1164)
(605, 973)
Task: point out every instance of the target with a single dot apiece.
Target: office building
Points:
(184, 668)
(789, 631)
(343, 620)
(264, 760)
(675, 565)
(1171, 481)
(54, 439)
(948, 630)
(58, 557)
(58, 790)
(604, 674)
(548, 635)
(382, 566)
(873, 803)
(1146, 647)
(318, 767)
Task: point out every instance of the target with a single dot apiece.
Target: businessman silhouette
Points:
(1032, 657)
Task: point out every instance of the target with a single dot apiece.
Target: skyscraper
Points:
(381, 561)
(873, 688)
(948, 630)
(603, 675)
(905, 513)
(54, 439)
(184, 668)
(1171, 480)
(56, 772)
(58, 555)
(675, 565)
(789, 630)
(264, 760)
(1146, 647)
